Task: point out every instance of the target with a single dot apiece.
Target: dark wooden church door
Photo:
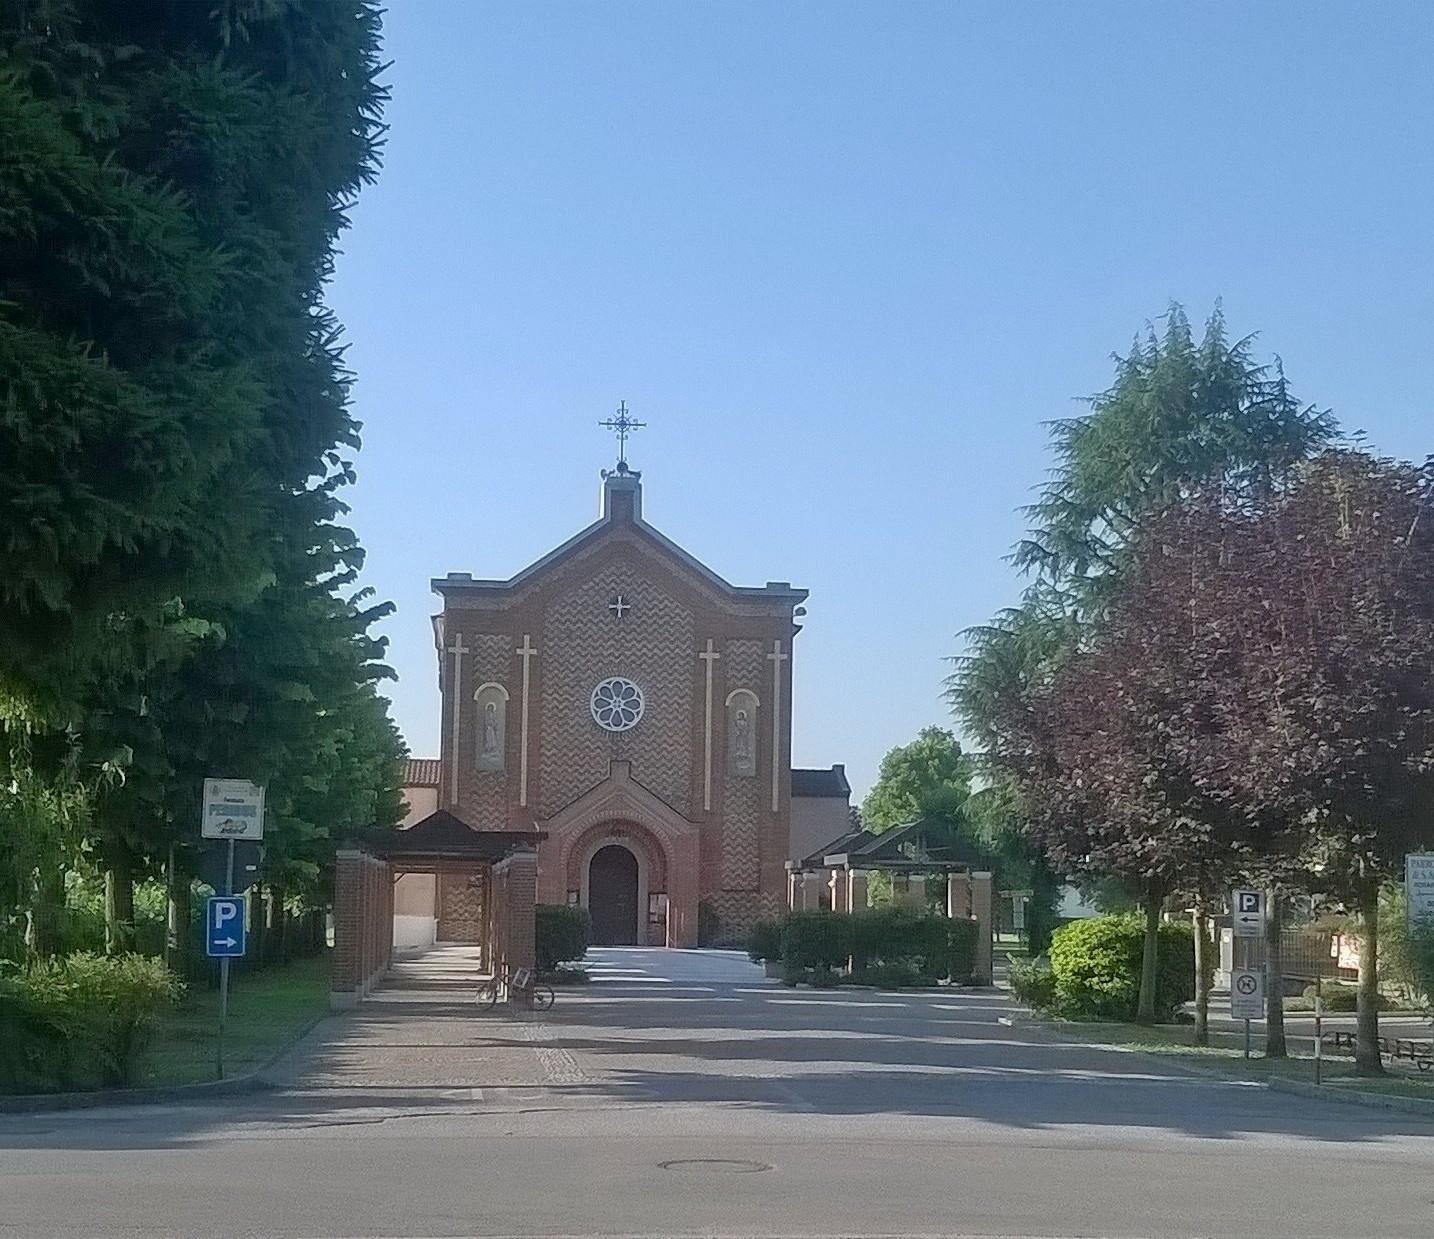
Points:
(612, 896)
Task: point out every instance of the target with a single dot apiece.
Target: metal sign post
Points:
(1247, 997)
(233, 810)
(1319, 1029)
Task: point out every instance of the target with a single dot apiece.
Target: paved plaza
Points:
(683, 1093)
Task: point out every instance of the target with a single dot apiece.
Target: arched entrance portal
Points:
(612, 896)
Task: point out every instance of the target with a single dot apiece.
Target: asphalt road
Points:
(682, 1094)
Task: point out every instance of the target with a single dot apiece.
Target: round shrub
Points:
(563, 933)
(1095, 967)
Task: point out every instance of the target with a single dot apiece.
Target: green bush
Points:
(765, 941)
(103, 1008)
(1341, 998)
(35, 1048)
(1033, 983)
(899, 975)
(1095, 966)
(562, 932)
(961, 937)
(815, 940)
(896, 935)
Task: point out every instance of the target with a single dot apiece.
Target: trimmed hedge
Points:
(765, 942)
(1338, 997)
(931, 948)
(563, 933)
(81, 1019)
(1095, 967)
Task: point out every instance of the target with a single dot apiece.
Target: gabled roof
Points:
(821, 783)
(841, 845)
(920, 845)
(775, 591)
(442, 835)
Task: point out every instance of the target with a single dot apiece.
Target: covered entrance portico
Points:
(914, 855)
(483, 892)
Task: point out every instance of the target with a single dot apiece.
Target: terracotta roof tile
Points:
(420, 772)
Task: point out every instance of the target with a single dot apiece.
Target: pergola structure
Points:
(835, 877)
(501, 864)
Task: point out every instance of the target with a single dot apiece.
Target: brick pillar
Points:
(346, 979)
(520, 874)
(856, 890)
(981, 910)
(958, 895)
(386, 939)
(500, 917)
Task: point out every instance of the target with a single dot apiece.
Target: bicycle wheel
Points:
(543, 997)
(487, 995)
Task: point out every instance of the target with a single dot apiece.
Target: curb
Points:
(1381, 1101)
(164, 1094)
(38, 1103)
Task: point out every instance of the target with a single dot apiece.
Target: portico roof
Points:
(922, 846)
(444, 836)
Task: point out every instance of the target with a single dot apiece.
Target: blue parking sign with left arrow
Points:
(224, 926)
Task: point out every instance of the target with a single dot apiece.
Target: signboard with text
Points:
(1247, 913)
(233, 809)
(1247, 994)
(1419, 884)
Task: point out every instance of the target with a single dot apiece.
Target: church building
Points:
(632, 710)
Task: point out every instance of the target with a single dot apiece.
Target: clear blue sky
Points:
(846, 259)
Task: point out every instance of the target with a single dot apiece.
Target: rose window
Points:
(617, 704)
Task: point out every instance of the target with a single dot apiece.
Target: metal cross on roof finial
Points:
(622, 425)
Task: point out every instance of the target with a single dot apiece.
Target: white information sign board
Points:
(233, 809)
(1247, 913)
(1247, 993)
(1419, 884)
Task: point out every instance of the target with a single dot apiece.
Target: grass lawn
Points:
(1226, 1055)
(267, 1011)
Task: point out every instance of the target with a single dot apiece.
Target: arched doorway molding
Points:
(619, 809)
(644, 847)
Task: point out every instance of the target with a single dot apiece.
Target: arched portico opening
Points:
(613, 885)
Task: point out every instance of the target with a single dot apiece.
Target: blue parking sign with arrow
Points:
(224, 926)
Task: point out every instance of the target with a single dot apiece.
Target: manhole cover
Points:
(718, 1165)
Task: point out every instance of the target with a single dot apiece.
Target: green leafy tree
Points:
(173, 179)
(929, 777)
(1181, 414)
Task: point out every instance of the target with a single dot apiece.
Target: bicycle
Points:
(520, 984)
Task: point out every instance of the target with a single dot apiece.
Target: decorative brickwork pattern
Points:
(742, 797)
(747, 668)
(583, 643)
(737, 912)
(461, 908)
(483, 794)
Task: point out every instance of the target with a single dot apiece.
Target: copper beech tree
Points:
(1261, 699)
(1307, 626)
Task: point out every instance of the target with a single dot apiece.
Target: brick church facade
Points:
(626, 704)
